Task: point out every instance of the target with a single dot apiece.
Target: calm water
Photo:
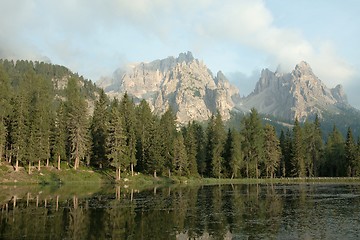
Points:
(297, 211)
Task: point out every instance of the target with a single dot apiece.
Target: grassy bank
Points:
(51, 175)
(84, 175)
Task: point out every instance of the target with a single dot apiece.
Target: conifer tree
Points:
(216, 139)
(252, 132)
(19, 130)
(5, 107)
(233, 154)
(298, 155)
(350, 153)
(99, 130)
(272, 151)
(180, 160)
(313, 146)
(334, 161)
(286, 154)
(59, 135)
(116, 141)
(200, 148)
(77, 125)
(191, 148)
(167, 132)
(145, 122)
(127, 108)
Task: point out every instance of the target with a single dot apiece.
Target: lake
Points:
(255, 211)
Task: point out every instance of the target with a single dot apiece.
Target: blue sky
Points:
(94, 37)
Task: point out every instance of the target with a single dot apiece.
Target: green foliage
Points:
(272, 151)
(77, 122)
(44, 113)
(252, 132)
(298, 151)
(116, 140)
(98, 131)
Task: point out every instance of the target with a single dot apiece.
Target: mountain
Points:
(298, 94)
(184, 83)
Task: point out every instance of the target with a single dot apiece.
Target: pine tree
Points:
(216, 138)
(5, 107)
(19, 130)
(180, 162)
(128, 111)
(145, 122)
(167, 132)
(334, 162)
(233, 155)
(272, 151)
(298, 155)
(313, 146)
(252, 132)
(286, 154)
(200, 148)
(350, 153)
(59, 136)
(99, 130)
(191, 148)
(76, 122)
(116, 141)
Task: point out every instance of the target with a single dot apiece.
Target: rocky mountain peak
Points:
(297, 94)
(183, 83)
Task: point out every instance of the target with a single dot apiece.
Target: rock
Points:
(299, 94)
(184, 83)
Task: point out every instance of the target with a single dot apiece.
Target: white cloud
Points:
(71, 26)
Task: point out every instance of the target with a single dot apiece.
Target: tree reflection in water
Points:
(216, 212)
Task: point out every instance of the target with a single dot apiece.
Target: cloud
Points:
(82, 32)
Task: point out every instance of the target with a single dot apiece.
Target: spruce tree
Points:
(233, 154)
(145, 122)
(167, 132)
(216, 138)
(127, 108)
(272, 151)
(77, 125)
(59, 135)
(334, 161)
(5, 107)
(298, 155)
(191, 148)
(350, 153)
(252, 145)
(116, 141)
(98, 131)
(180, 162)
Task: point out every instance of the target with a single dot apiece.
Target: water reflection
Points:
(304, 211)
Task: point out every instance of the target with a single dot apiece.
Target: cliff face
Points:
(184, 83)
(297, 94)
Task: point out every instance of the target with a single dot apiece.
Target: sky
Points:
(238, 37)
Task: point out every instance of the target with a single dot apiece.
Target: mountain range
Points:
(194, 93)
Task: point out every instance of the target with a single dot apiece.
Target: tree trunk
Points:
(247, 169)
(169, 172)
(154, 173)
(119, 174)
(132, 169)
(16, 165)
(59, 159)
(29, 171)
(39, 165)
(76, 164)
(47, 162)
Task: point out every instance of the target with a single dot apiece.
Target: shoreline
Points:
(86, 175)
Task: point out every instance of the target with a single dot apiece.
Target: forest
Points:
(49, 116)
